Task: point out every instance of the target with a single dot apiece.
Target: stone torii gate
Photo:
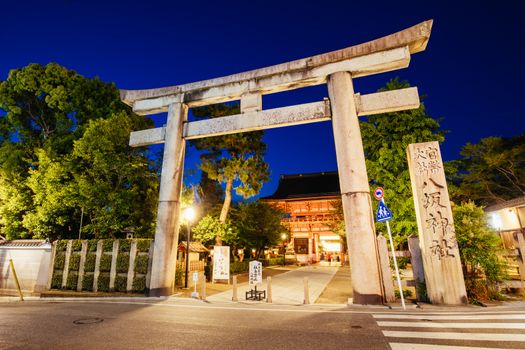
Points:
(337, 69)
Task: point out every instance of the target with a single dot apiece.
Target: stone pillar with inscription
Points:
(439, 248)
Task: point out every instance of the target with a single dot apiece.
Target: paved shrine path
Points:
(287, 288)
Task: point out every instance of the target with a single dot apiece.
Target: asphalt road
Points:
(190, 324)
(47, 325)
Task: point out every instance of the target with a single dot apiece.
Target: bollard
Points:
(306, 291)
(16, 279)
(203, 288)
(269, 288)
(234, 297)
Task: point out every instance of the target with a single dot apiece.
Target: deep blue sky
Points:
(472, 71)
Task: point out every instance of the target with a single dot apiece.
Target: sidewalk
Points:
(288, 287)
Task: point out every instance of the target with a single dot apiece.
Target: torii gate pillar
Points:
(355, 191)
(167, 230)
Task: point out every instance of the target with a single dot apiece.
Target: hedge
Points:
(122, 262)
(139, 284)
(105, 263)
(125, 245)
(103, 282)
(92, 245)
(87, 282)
(72, 279)
(141, 264)
(56, 281)
(61, 246)
(121, 283)
(143, 245)
(74, 262)
(108, 245)
(76, 245)
(90, 262)
(60, 260)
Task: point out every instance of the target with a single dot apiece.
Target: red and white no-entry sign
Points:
(379, 193)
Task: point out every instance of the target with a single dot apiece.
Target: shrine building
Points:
(308, 202)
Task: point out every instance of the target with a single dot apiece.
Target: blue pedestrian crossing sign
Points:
(383, 213)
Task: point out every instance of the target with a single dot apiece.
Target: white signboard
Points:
(195, 276)
(221, 262)
(255, 274)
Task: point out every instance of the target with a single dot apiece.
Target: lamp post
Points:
(189, 215)
(283, 237)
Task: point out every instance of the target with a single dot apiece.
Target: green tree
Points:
(385, 138)
(209, 227)
(44, 110)
(258, 225)
(492, 170)
(237, 160)
(478, 247)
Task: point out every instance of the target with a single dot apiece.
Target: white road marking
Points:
(455, 336)
(411, 346)
(464, 325)
(451, 317)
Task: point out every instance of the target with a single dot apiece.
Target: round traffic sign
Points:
(379, 193)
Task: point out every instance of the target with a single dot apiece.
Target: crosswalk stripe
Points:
(450, 317)
(455, 336)
(451, 325)
(411, 346)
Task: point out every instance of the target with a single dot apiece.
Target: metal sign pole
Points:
(395, 262)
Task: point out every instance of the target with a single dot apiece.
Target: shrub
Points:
(125, 245)
(90, 262)
(56, 281)
(141, 264)
(60, 260)
(179, 277)
(72, 279)
(402, 262)
(143, 245)
(76, 245)
(478, 247)
(74, 262)
(275, 261)
(92, 245)
(139, 284)
(407, 293)
(87, 282)
(239, 266)
(121, 283)
(103, 282)
(61, 245)
(108, 245)
(105, 263)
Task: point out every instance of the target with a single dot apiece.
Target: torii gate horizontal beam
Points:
(381, 55)
(380, 102)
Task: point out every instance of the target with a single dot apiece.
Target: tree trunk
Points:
(225, 207)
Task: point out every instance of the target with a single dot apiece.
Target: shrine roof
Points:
(298, 186)
(516, 202)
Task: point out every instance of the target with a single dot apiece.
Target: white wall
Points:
(31, 264)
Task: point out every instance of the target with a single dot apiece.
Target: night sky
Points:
(472, 71)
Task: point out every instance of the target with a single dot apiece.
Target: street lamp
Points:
(283, 237)
(189, 215)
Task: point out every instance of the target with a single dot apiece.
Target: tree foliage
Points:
(64, 150)
(258, 225)
(236, 160)
(478, 246)
(385, 139)
(492, 170)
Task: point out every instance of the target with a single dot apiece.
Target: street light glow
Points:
(189, 214)
(284, 236)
